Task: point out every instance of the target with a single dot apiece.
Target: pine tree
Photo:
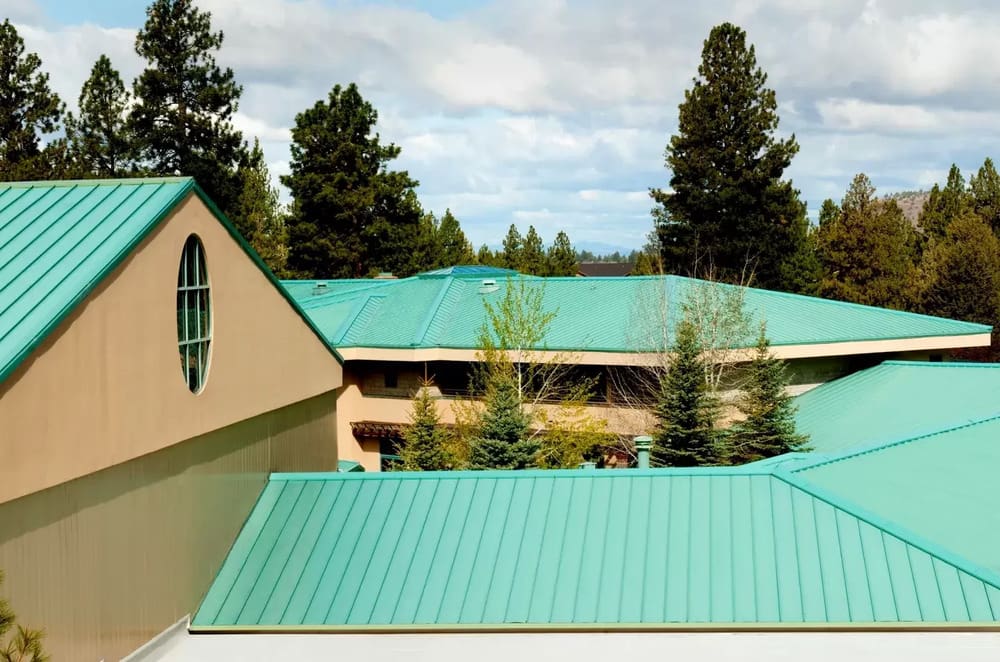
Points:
(258, 214)
(867, 251)
(769, 426)
(513, 249)
(643, 265)
(944, 205)
(24, 644)
(533, 254)
(184, 102)
(351, 215)
(502, 442)
(100, 142)
(424, 442)
(455, 249)
(29, 110)
(727, 205)
(828, 212)
(487, 257)
(561, 258)
(686, 411)
(802, 270)
(984, 188)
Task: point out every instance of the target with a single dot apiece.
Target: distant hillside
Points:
(911, 202)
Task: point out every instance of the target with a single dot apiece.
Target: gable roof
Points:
(943, 485)
(592, 269)
(606, 549)
(896, 400)
(59, 240)
(594, 314)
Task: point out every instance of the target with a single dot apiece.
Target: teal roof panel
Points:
(597, 314)
(896, 400)
(718, 547)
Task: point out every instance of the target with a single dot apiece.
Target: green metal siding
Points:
(576, 548)
(594, 314)
(897, 400)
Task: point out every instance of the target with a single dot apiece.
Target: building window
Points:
(194, 314)
(391, 379)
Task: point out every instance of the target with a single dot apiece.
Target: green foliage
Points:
(686, 410)
(258, 215)
(513, 249)
(487, 257)
(29, 110)
(867, 251)
(961, 273)
(802, 271)
(944, 205)
(23, 645)
(184, 102)
(101, 143)
(561, 258)
(502, 442)
(644, 265)
(425, 444)
(768, 428)
(828, 212)
(984, 188)
(351, 215)
(454, 247)
(533, 254)
(727, 205)
(572, 435)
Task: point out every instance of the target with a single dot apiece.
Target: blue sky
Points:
(556, 112)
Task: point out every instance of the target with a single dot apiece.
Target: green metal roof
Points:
(718, 547)
(58, 240)
(594, 314)
(943, 486)
(896, 400)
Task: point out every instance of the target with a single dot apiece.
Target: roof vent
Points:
(385, 275)
(320, 288)
(489, 285)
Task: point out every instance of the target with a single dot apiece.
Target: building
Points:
(604, 269)
(394, 333)
(152, 374)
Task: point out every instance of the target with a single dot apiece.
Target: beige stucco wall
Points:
(107, 561)
(107, 386)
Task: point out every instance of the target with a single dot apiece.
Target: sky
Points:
(555, 113)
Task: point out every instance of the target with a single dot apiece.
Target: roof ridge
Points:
(901, 533)
(432, 311)
(57, 183)
(468, 474)
(939, 364)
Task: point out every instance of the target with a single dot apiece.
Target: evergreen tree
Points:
(984, 188)
(100, 142)
(351, 215)
(487, 257)
(258, 214)
(561, 258)
(643, 265)
(424, 442)
(769, 426)
(455, 249)
(513, 249)
(426, 252)
(867, 251)
(962, 273)
(727, 205)
(23, 644)
(184, 102)
(29, 110)
(802, 271)
(533, 254)
(502, 442)
(944, 205)
(686, 411)
(828, 212)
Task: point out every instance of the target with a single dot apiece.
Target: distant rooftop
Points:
(604, 268)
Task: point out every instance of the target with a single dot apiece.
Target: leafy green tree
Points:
(503, 441)
(454, 246)
(572, 435)
(29, 110)
(351, 215)
(533, 254)
(643, 265)
(258, 215)
(425, 444)
(984, 188)
(184, 102)
(513, 249)
(768, 428)
(686, 411)
(561, 258)
(867, 251)
(101, 144)
(24, 644)
(944, 205)
(727, 205)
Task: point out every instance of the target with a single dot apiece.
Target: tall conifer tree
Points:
(101, 143)
(513, 249)
(259, 216)
(424, 443)
(533, 254)
(561, 257)
(984, 188)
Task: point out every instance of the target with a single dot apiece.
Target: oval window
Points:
(194, 314)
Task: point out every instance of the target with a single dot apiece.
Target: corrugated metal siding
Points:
(105, 562)
(566, 547)
(601, 314)
(58, 240)
(942, 486)
(897, 400)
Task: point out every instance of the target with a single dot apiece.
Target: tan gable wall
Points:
(107, 385)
